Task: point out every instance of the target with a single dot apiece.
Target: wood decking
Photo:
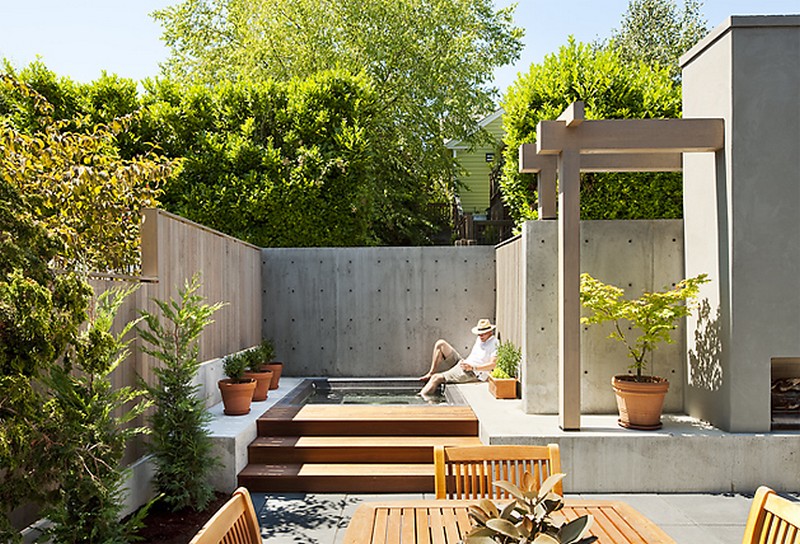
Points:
(353, 448)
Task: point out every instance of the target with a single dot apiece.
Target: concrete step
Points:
(351, 449)
(338, 478)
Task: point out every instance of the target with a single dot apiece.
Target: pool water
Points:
(370, 391)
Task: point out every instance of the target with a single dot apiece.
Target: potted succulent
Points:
(652, 317)
(260, 373)
(266, 352)
(527, 518)
(236, 390)
(503, 379)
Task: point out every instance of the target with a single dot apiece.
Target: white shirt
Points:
(481, 354)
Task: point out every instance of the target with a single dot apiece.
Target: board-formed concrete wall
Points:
(373, 311)
(741, 216)
(634, 255)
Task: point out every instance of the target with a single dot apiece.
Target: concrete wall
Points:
(634, 255)
(741, 216)
(373, 311)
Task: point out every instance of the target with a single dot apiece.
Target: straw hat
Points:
(483, 326)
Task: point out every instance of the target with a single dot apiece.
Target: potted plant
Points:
(237, 391)
(652, 317)
(260, 373)
(527, 518)
(503, 379)
(266, 351)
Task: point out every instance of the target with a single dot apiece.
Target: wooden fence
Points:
(173, 250)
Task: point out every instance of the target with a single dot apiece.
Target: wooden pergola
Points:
(571, 145)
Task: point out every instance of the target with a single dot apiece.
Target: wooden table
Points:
(446, 522)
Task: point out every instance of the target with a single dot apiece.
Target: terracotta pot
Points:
(277, 370)
(263, 380)
(640, 403)
(236, 396)
(503, 388)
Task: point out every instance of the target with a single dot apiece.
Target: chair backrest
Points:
(234, 523)
(772, 519)
(467, 472)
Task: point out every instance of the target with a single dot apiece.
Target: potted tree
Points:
(260, 373)
(503, 379)
(236, 390)
(652, 317)
(266, 351)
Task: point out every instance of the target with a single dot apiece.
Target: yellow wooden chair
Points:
(234, 523)
(772, 519)
(467, 472)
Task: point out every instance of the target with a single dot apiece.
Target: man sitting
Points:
(476, 367)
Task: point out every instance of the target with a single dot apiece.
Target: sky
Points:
(81, 38)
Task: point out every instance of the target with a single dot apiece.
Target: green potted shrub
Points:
(503, 379)
(236, 390)
(527, 518)
(259, 372)
(652, 317)
(266, 351)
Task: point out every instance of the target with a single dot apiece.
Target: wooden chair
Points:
(772, 519)
(467, 472)
(234, 523)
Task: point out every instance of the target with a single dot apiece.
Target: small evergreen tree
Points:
(180, 443)
(89, 426)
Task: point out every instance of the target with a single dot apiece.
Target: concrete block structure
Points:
(742, 211)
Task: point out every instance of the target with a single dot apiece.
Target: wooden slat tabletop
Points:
(447, 522)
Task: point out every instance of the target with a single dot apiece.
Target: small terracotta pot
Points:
(263, 380)
(236, 396)
(277, 370)
(640, 403)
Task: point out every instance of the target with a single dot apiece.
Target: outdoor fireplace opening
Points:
(785, 393)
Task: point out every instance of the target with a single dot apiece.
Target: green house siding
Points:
(474, 192)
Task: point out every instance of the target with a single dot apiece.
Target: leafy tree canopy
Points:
(657, 33)
(610, 88)
(428, 63)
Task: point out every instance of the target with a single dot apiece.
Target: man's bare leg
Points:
(441, 351)
(433, 383)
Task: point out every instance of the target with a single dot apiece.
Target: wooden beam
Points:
(574, 115)
(531, 163)
(615, 136)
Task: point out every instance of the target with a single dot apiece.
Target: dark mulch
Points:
(165, 527)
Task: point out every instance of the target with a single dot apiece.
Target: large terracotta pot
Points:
(277, 370)
(640, 403)
(263, 381)
(236, 396)
(503, 388)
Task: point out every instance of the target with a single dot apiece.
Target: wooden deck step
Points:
(338, 478)
(351, 449)
(361, 420)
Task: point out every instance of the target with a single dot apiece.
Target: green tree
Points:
(657, 33)
(77, 183)
(40, 313)
(610, 89)
(89, 428)
(181, 443)
(430, 64)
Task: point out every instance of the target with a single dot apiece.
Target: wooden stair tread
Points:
(322, 412)
(363, 441)
(338, 469)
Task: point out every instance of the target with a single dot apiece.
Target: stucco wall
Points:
(741, 216)
(373, 311)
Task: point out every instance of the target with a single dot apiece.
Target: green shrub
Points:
(235, 365)
(508, 359)
(180, 444)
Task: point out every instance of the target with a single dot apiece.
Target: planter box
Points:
(503, 388)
